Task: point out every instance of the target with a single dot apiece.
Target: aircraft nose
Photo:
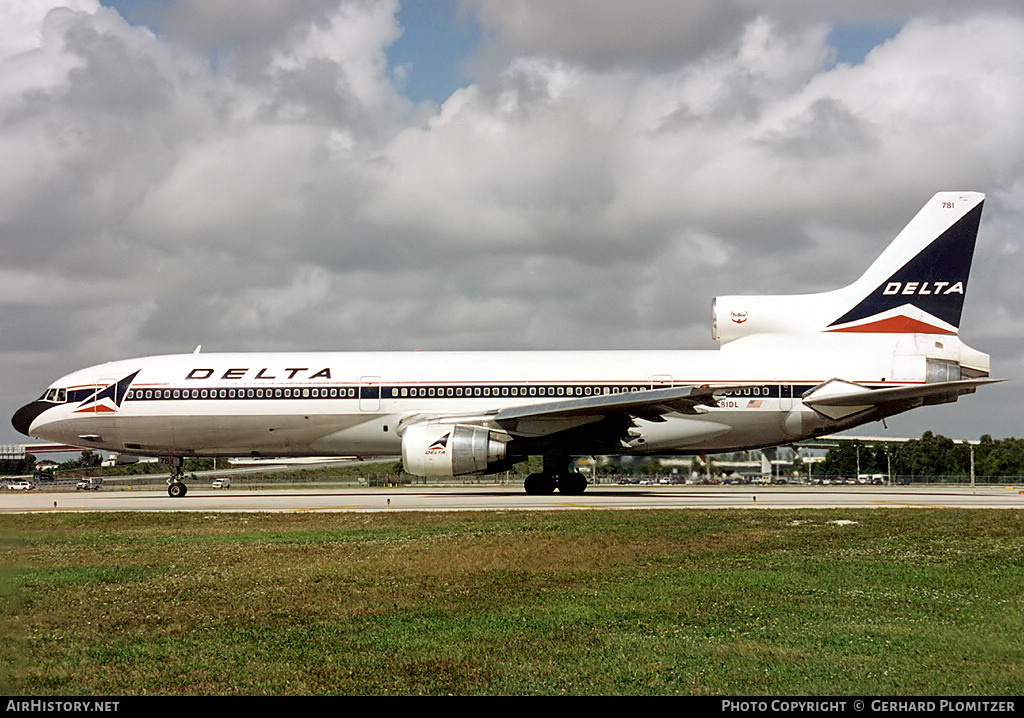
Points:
(23, 417)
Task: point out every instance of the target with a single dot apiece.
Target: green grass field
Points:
(872, 602)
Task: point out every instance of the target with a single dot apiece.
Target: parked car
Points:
(222, 483)
(21, 485)
(90, 483)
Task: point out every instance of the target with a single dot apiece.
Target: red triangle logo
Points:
(97, 409)
(895, 325)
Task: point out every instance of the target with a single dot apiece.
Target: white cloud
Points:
(608, 33)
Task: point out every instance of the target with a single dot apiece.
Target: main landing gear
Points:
(556, 475)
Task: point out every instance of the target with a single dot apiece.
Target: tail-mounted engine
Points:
(451, 450)
(739, 316)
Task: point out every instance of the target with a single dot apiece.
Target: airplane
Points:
(789, 367)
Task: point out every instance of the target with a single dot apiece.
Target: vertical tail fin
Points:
(916, 286)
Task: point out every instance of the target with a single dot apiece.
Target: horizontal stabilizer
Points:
(837, 398)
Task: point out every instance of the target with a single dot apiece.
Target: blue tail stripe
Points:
(935, 280)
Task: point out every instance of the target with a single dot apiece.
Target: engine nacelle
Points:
(733, 317)
(450, 450)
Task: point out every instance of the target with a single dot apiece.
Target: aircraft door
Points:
(369, 393)
(785, 397)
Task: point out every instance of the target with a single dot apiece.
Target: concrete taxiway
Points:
(513, 499)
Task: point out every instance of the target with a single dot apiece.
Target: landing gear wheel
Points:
(175, 486)
(572, 484)
(539, 484)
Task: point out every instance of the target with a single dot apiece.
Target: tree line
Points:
(931, 455)
(19, 467)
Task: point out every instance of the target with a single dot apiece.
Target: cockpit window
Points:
(57, 396)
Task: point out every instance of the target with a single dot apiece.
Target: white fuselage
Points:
(355, 404)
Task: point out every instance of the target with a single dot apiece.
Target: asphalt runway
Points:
(510, 498)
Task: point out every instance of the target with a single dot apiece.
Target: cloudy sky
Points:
(487, 174)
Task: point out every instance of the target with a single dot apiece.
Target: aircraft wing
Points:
(621, 410)
(550, 417)
(645, 404)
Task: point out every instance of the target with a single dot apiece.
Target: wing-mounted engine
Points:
(431, 449)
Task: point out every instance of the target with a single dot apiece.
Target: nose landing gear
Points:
(175, 482)
(176, 488)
